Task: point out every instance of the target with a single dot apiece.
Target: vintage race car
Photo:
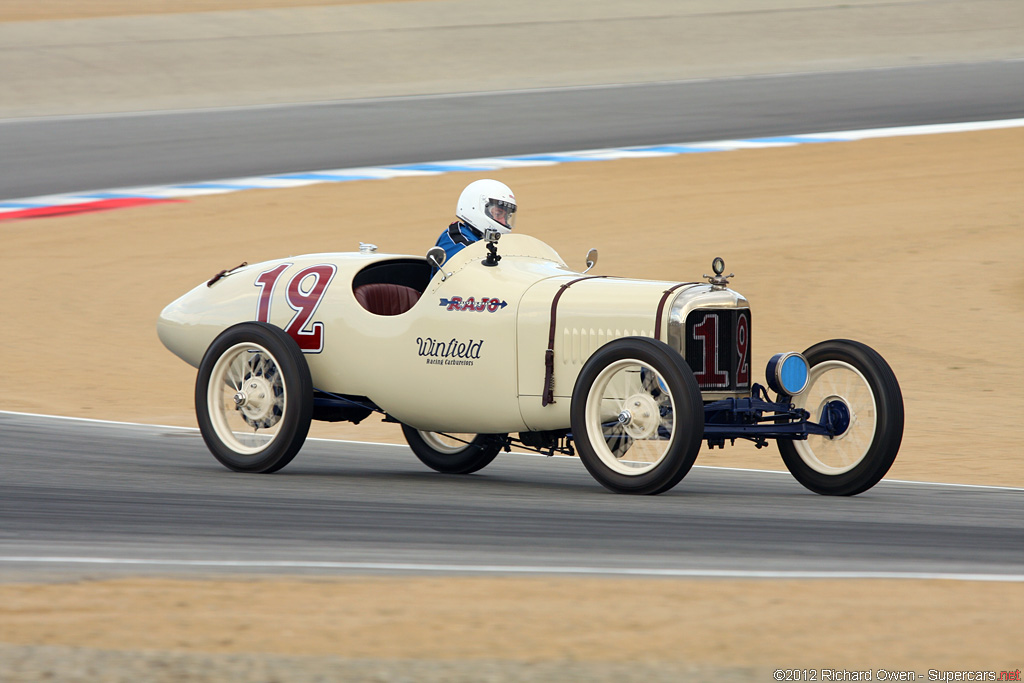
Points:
(505, 345)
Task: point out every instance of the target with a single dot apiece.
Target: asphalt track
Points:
(143, 498)
(43, 156)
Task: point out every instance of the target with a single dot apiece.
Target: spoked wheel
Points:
(852, 389)
(453, 453)
(637, 416)
(254, 398)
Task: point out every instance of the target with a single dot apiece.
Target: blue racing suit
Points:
(457, 237)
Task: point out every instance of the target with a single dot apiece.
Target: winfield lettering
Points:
(451, 348)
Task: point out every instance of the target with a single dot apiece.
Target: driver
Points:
(483, 204)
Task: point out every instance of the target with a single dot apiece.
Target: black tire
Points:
(450, 456)
(262, 365)
(650, 451)
(863, 386)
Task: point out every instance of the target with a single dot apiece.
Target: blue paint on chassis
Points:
(757, 419)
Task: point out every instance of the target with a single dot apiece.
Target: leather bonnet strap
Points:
(549, 354)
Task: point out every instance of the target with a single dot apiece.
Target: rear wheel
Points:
(453, 453)
(637, 416)
(254, 398)
(852, 389)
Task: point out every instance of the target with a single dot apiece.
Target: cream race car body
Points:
(468, 356)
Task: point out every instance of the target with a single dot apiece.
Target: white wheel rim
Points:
(630, 417)
(250, 424)
(832, 381)
(448, 443)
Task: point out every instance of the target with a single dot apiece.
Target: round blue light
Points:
(793, 374)
(787, 373)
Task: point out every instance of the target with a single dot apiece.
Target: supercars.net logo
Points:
(489, 304)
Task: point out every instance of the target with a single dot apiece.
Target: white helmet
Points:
(487, 204)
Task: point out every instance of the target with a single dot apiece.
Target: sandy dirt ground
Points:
(912, 245)
(710, 624)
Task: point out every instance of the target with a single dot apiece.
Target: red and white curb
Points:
(82, 202)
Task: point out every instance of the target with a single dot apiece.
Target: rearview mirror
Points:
(591, 259)
(437, 257)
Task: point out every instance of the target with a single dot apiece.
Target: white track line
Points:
(541, 455)
(518, 570)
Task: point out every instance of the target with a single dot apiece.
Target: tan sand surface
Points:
(755, 624)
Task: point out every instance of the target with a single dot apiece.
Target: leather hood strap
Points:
(549, 354)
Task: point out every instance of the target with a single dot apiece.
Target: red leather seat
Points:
(382, 298)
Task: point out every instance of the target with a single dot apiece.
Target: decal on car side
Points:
(303, 293)
(449, 352)
(489, 304)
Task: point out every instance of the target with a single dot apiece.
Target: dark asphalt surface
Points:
(83, 489)
(71, 154)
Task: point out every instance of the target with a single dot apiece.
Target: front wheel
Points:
(453, 453)
(851, 388)
(637, 416)
(254, 398)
